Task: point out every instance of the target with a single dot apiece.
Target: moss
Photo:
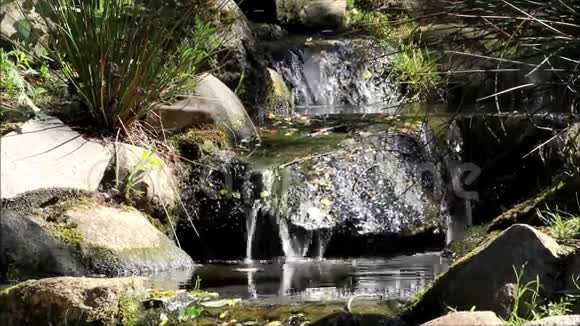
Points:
(68, 234)
(196, 143)
(474, 237)
(129, 311)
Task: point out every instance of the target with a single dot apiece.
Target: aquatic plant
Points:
(123, 57)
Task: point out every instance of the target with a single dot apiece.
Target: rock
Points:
(486, 278)
(213, 102)
(103, 230)
(461, 318)
(312, 14)
(78, 236)
(348, 319)
(556, 321)
(141, 175)
(70, 301)
(239, 64)
(339, 191)
(48, 154)
(281, 99)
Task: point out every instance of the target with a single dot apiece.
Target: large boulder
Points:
(48, 154)
(213, 102)
(70, 301)
(472, 318)
(312, 14)
(486, 279)
(78, 236)
(140, 175)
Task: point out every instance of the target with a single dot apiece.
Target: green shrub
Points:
(123, 56)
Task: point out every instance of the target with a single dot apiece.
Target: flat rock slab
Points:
(48, 154)
(472, 318)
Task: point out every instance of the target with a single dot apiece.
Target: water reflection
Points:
(311, 280)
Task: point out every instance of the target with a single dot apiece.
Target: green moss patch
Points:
(196, 143)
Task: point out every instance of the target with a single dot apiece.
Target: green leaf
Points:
(24, 29)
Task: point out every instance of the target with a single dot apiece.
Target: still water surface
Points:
(313, 280)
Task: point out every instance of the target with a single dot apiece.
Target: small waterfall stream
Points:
(329, 76)
(251, 221)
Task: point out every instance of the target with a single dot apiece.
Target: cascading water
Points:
(338, 77)
(251, 222)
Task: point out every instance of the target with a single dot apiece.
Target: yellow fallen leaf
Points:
(325, 202)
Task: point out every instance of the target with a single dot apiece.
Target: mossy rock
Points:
(560, 195)
(81, 236)
(72, 301)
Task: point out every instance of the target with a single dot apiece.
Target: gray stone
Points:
(78, 236)
(213, 102)
(485, 278)
(556, 321)
(472, 318)
(48, 154)
(312, 14)
(141, 175)
(70, 301)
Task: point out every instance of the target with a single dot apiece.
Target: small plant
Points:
(562, 225)
(124, 57)
(130, 188)
(191, 312)
(529, 292)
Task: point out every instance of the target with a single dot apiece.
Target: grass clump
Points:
(418, 70)
(123, 57)
(561, 225)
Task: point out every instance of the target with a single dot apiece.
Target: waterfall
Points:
(251, 221)
(338, 77)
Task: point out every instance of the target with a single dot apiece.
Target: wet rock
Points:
(556, 321)
(79, 237)
(218, 197)
(358, 197)
(48, 154)
(348, 319)
(140, 175)
(69, 300)
(312, 14)
(485, 279)
(461, 318)
(281, 98)
(213, 103)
